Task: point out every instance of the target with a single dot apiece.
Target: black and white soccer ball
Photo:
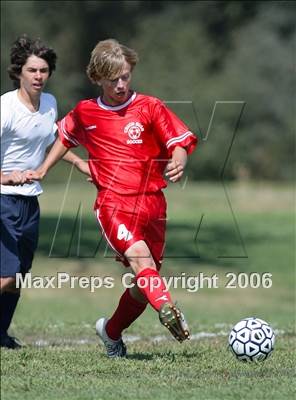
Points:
(251, 339)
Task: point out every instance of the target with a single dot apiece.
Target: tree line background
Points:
(193, 54)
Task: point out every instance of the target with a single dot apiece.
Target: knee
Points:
(139, 257)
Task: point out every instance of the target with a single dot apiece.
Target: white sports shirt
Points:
(25, 135)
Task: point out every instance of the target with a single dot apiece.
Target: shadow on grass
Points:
(141, 356)
(166, 355)
(214, 244)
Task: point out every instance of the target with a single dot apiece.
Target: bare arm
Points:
(80, 164)
(176, 165)
(57, 151)
(72, 158)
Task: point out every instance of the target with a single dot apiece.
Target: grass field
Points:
(249, 229)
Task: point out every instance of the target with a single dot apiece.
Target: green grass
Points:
(203, 370)
(63, 360)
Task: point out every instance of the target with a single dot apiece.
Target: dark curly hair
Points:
(22, 49)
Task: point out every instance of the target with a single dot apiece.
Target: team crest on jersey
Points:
(134, 130)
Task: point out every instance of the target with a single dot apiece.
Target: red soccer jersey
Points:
(129, 145)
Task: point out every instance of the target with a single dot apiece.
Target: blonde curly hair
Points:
(107, 60)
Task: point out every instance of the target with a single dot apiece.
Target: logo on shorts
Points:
(134, 130)
(123, 233)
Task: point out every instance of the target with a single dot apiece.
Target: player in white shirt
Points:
(27, 130)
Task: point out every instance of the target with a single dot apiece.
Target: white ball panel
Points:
(252, 349)
(240, 325)
(257, 336)
(259, 357)
(232, 337)
(243, 335)
(253, 324)
(238, 347)
(268, 331)
(266, 346)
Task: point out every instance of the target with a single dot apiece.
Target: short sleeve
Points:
(52, 137)
(70, 132)
(172, 130)
(55, 127)
(5, 116)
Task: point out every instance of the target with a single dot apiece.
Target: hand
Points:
(174, 170)
(31, 175)
(15, 178)
(83, 167)
(176, 166)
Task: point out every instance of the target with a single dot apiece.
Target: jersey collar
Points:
(116, 108)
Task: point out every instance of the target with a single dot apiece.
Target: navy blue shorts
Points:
(19, 233)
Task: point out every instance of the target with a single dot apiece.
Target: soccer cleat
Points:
(9, 342)
(115, 348)
(173, 319)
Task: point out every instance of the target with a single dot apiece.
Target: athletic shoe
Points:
(9, 342)
(115, 348)
(173, 319)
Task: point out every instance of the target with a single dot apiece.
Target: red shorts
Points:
(126, 219)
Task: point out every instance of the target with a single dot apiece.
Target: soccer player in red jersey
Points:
(132, 140)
